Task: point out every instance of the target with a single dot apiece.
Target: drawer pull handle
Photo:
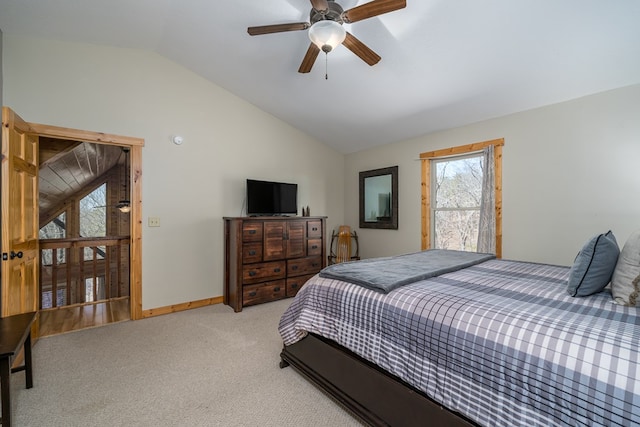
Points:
(252, 294)
(314, 228)
(252, 252)
(252, 231)
(314, 246)
(315, 264)
(294, 285)
(276, 289)
(276, 270)
(295, 267)
(252, 273)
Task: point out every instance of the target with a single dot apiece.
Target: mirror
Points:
(379, 198)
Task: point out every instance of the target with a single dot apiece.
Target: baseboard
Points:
(180, 307)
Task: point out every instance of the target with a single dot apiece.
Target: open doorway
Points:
(84, 217)
(20, 267)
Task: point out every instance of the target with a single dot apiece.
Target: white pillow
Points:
(625, 283)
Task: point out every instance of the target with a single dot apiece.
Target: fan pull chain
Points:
(326, 66)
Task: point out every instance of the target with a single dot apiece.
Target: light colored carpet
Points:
(203, 367)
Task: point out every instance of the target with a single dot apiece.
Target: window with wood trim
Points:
(451, 189)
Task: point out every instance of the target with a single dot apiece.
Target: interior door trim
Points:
(135, 145)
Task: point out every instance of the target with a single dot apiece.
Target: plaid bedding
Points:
(500, 342)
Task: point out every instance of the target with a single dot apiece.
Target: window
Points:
(56, 228)
(452, 194)
(455, 202)
(93, 213)
(93, 219)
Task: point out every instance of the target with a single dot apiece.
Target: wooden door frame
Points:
(135, 178)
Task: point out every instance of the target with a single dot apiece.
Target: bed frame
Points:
(373, 395)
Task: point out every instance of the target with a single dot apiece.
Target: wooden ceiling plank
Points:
(52, 149)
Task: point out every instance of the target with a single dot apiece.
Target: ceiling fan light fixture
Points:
(327, 35)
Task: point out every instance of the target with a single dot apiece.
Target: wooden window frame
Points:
(457, 151)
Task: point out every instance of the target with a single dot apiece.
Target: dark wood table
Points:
(15, 332)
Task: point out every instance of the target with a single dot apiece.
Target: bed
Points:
(492, 343)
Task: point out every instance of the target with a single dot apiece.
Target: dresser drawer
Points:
(295, 283)
(251, 252)
(314, 229)
(254, 273)
(252, 231)
(314, 247)
(302, 266)
(264, 292)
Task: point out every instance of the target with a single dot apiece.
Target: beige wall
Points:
(190, 187)
(570, 171)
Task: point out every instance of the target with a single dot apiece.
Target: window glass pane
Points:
(93, 213)
(458, 182)
(47, 296)
(457, 229)
(56, 228)
(94, 251)
(98, 285)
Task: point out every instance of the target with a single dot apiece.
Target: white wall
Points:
(190, 187)
(570, 171)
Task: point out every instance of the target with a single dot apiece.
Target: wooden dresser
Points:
(269, 258)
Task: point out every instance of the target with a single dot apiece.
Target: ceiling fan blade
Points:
(371, 9)
(360, 49)
(320, 5)
(277, 28)
(309, 58)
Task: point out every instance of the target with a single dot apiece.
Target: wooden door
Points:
(19, 201)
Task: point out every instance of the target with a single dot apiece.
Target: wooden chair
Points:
(342, 250)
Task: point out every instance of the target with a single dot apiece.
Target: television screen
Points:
(271, 198)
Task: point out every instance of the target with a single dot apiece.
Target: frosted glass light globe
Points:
(327, 35)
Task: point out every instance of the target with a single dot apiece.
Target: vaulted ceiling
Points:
(445, 63)
(69, 167)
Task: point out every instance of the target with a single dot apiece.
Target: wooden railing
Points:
(81, 270)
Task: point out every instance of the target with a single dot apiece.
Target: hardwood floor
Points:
(82, 316)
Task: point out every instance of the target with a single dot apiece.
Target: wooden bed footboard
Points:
(370, 393)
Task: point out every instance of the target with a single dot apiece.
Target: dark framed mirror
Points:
(379, 198)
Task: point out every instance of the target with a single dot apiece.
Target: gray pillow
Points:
(624, 284)
(594, 265)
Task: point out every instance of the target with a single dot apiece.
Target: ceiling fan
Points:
(326, 31)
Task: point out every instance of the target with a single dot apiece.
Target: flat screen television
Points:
(271, 198)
